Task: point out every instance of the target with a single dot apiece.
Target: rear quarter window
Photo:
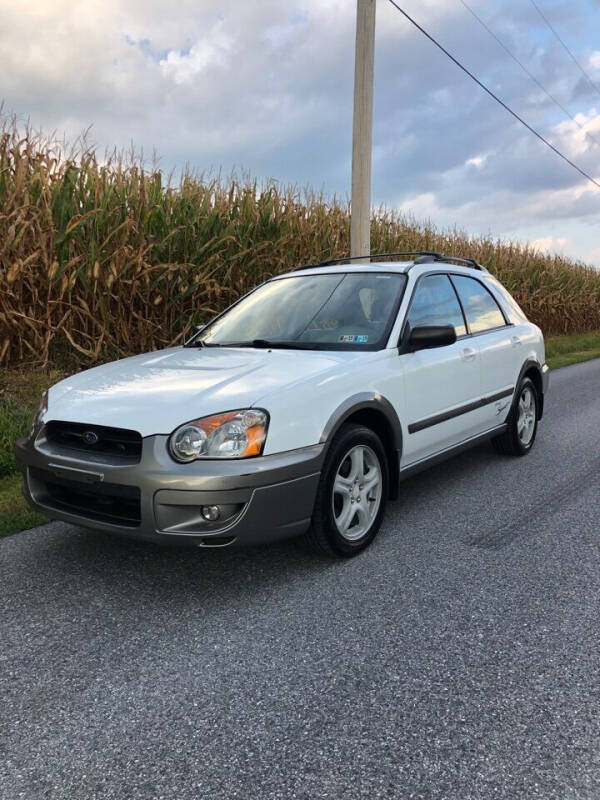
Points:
(480, 306)
(513, 310)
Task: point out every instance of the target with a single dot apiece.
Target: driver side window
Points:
(435, 303)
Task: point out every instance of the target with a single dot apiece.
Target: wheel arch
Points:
(373, 411)
(533, 370)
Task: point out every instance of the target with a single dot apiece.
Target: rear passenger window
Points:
(481, 310)
(435, 303)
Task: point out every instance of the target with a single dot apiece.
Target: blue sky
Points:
(266, 87)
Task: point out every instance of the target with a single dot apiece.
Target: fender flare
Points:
(375, 402)
(531, 363)
(358, 402)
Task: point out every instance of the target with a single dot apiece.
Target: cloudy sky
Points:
(265, 86)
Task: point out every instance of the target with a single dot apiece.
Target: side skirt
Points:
(419, 466)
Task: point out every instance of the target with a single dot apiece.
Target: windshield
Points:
(351, 311)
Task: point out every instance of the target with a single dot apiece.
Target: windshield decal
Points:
(350, 339)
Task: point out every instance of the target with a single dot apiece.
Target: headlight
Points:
(38, 415)
(235, 434)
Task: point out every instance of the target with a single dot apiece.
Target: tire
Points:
(518, 440)
(343, 503)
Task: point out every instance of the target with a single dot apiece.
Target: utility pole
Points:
(360, 208)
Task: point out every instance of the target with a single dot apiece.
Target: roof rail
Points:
(419, 256)
(333, 261)
(469, 262)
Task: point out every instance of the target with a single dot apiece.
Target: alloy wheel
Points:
(527, 416)
(357, 492)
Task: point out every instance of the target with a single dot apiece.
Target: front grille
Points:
(123, 445)
(106, 502)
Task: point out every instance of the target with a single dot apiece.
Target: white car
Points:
(298, 410)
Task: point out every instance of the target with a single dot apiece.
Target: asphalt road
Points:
(458, 658)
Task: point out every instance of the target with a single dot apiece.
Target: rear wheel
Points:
(352, 492)
(522, 422)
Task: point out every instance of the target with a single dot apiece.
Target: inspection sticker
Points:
(349, 338)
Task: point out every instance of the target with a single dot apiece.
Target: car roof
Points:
(401, 267)
(387, 266)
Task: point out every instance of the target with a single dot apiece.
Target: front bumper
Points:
(261, 499)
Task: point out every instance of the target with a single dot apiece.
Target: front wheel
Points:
(522, 422)
(352, 493)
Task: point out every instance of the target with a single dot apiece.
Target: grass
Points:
(102, 257)
(561, 351)
(20, 392)
(15, 514)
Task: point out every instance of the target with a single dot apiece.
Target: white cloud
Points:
(211, 52)
(550, 244)
(582, 136)
(475, 161)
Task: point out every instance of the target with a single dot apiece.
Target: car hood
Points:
(156, 392)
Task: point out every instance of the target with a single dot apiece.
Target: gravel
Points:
(459, 657)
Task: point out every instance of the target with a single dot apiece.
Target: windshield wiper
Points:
(265, 344)
(262, 344)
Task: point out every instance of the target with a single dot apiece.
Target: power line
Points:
(573, 59)
(528, 72)
(494, 96)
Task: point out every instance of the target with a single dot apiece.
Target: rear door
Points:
(499, 346)
(443, 384)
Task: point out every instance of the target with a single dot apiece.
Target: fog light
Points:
(211, 513)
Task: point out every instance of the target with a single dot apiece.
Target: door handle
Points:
(515, 341)
(468, 354)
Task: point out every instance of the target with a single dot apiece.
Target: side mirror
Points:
(426, 336)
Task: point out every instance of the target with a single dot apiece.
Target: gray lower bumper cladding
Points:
(258, 500)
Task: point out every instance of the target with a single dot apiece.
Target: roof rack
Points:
(331, 262)
(419, 257)
(469, 262)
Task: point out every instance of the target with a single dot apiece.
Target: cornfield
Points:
(104, 258)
